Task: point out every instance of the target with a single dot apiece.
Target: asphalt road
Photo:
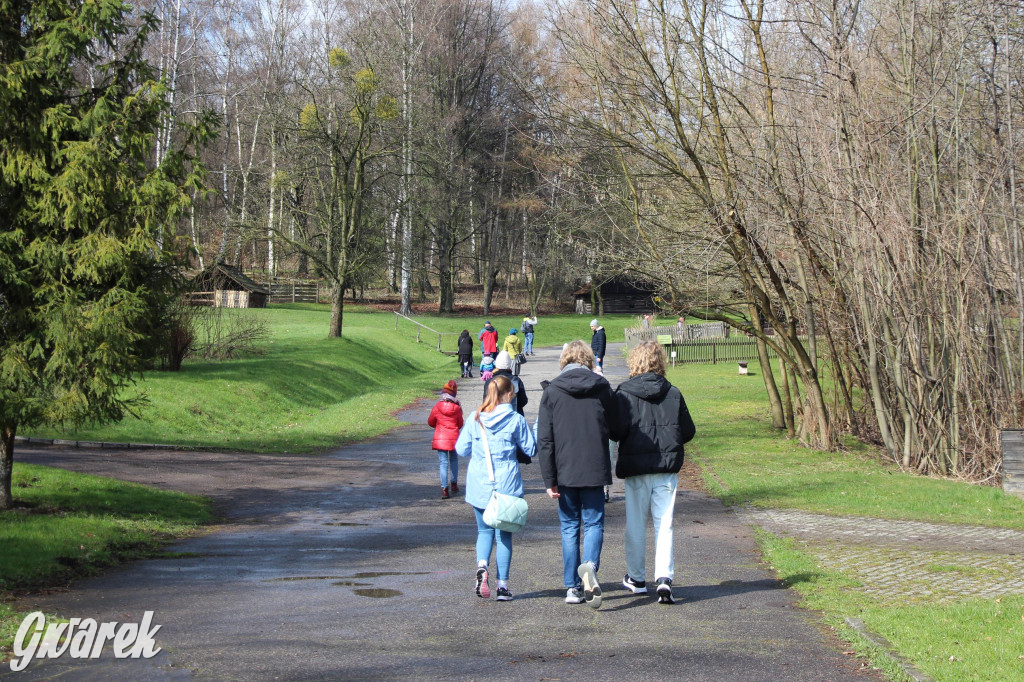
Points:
(350, 566)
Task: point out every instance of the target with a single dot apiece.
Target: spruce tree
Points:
(86, 219)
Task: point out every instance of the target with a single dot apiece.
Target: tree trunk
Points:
(778, 414)
(446, 253)
(337, 310)
(6, 466)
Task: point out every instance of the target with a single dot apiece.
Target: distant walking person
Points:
(598, 342)
(494, 432)
(466, 354)
(655, 425)
(513, 345)
(489, 340)
(577, 414)
(527, 327)
(446, 418)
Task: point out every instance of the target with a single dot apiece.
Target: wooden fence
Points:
(690, 332)
(295, 292)
(714, 351)
(708, 343)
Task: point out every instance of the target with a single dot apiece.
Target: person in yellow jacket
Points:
(513, 345)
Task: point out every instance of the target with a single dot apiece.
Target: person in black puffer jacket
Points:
(655, 425)
(466, 354)
(578, 414)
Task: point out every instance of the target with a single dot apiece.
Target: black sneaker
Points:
(665, 591)
(634, 586)
(482, 589)
(504, 594)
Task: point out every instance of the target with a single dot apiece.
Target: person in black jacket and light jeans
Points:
(655, 425)
(578, 414)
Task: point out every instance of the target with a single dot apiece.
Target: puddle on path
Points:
(383, 574)
(349, 583)
(304, 577)
(344, 523)
(378, 593)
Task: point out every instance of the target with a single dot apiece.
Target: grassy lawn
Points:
(306, 393)
(969, 639)
(70, 525)
(759, 466)
(551, 330)
(745, 462)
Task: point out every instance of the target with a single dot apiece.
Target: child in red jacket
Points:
(446, 418)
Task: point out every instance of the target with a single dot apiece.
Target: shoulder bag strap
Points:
(487, 448)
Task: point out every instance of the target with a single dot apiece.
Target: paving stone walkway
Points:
(906, 559)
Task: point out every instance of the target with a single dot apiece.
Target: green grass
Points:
(70, 525)
(551, 330)
(746, 462)
(971, 639)
(759, 466)
(306, 393)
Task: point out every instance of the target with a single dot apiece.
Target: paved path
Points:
(349, 566)
(900, 560)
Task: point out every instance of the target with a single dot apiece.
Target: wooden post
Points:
(1013, 461)
(714, 353)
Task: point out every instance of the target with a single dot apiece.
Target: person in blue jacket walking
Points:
(505, 430)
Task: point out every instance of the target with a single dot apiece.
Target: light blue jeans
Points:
(485, 540)
(528, 345)
(449, 465)
(654, 494)
(580, 507)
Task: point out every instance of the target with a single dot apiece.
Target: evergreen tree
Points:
(86, 220)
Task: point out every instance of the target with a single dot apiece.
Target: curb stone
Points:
(96, 445)
(888, 650)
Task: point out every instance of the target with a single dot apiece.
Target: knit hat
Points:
(451, 388)
(513, 331)
(593, 323)
(504, 361)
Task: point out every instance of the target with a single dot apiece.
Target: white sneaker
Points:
(574, 595)
(591, 588)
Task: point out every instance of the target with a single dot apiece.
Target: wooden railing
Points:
(421, 328)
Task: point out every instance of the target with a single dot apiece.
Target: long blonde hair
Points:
(498, 392)
(647, 357)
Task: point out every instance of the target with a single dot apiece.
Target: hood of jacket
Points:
(499, 418)
(578, 381)
(647, 386)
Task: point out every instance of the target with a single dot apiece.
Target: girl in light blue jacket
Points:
(505, 431)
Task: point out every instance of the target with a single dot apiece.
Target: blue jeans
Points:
(449, 463)
(528, 345)
(485, 537)
(578, 506)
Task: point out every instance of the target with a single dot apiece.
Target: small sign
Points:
(673, 354)
(665, 339)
